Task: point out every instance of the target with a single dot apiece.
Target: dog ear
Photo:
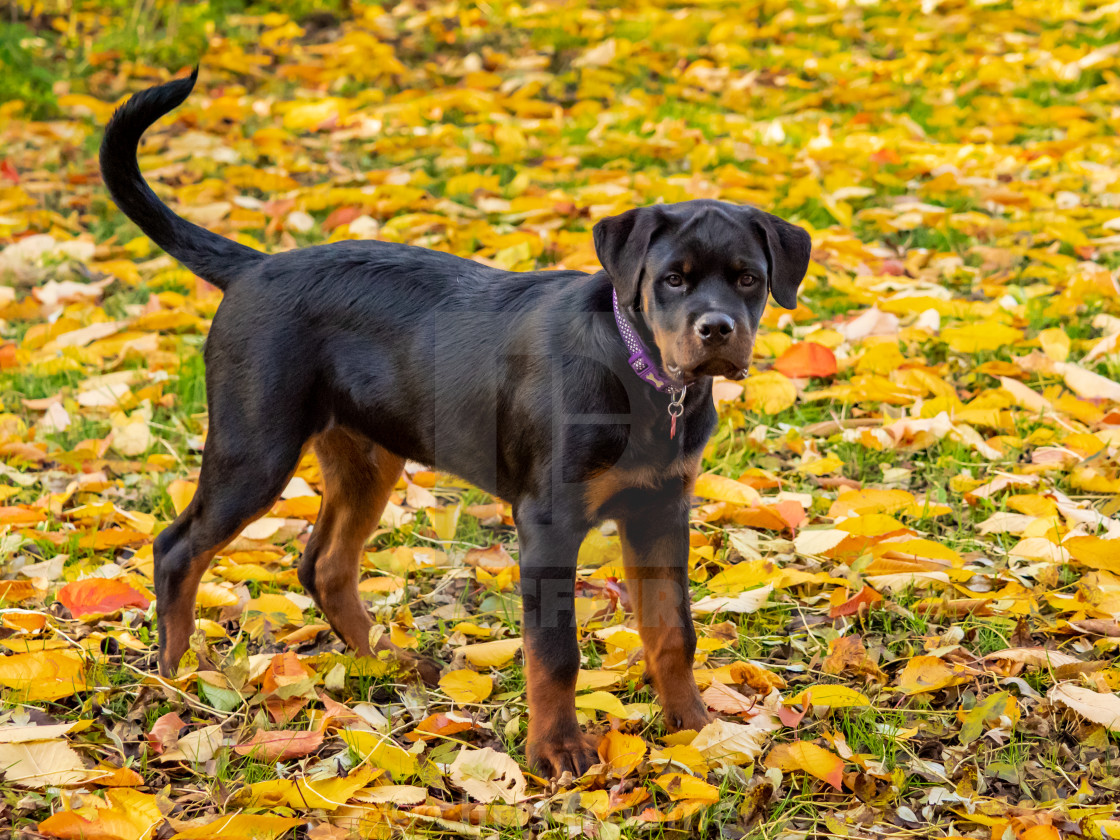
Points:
(788, 247)
(621, 243)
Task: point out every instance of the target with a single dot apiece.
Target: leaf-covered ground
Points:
(906, 567)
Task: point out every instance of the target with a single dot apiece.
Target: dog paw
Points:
(693, 715)
(573, 753)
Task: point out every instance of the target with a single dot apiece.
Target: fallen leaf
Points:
(808, 757)
(95, 597)
(487, 776)
(280, 745)
(1096, 706)
(807, 359)
(464, 686)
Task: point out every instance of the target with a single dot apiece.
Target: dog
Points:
(576, 397)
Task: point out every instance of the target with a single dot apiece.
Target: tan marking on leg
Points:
(658, 586)
(358, 476)
(555, 743)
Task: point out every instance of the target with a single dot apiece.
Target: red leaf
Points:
(165, 732)
(886, 156)
(280, 745)
(790, 717)
(340, 216)
(8, 172)
(807, 359)
(791, 511)
(865, 597)
(95, 597)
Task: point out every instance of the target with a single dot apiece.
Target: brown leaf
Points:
(847, 655)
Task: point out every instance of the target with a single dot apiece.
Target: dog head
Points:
(699, 273)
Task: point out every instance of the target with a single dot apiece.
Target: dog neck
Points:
(642, 360)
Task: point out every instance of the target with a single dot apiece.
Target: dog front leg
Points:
(655, 554)
(548, 567)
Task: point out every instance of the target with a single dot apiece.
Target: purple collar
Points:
(646, 368)
(640, 361)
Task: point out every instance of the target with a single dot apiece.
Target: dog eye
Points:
(747, 279)
(674, 279)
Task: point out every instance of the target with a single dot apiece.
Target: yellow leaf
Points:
(1095, 552)
(770, 392)
(982, 336)
(124, 814)
(601, 701)
(928, 673)
(445, 520)
(835, 696)
(623, 753)
(723, 489)
(46, 675)
(465, 686)
(494, 654)
(918, 549)
(381, 752)
(181, 493)
(598, 549)
(808, 757)
(1055, 343)
(684, 786)
(680, 754)
(273, 604)
(821, 466)
(328, 794)
(241, 826)
(870, 501)
(597, 679)
(743, 576)
(872, 525)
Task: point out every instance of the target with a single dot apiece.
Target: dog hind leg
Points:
(236, 485)
(358, 476)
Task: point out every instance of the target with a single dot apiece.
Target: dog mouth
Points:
(727, 368)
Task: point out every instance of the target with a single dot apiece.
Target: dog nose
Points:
(714, 327)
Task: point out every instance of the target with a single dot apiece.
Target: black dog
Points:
(527, 384)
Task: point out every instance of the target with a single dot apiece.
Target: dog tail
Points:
(214, 258)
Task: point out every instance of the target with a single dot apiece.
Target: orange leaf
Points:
(1040, 832)
(102, 826)
(439, 724)
(94, 597)
(14, 591)
(281, 745)
(807, 359)
(18, 515)
(866, 597)
(285, 669)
